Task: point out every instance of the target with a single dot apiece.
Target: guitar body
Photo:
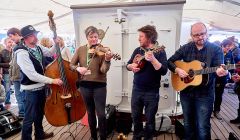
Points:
(141, 64)
(139, 60)
(179, 83)
(196, 74)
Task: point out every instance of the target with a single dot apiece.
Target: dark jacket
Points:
(5, 58)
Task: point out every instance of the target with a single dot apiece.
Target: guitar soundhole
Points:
(190, 77)
(191, 73)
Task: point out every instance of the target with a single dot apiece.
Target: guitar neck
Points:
(213, 69)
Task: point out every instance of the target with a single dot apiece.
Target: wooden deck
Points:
(220, 129)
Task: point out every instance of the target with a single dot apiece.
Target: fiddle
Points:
(100, 50)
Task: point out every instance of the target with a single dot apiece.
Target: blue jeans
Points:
(7, 85)
(140, 99)
(95, 100)
(20, 98)
(34, 111)
(197, 112)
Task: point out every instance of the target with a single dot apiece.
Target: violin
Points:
(140, 59)
(100, 50)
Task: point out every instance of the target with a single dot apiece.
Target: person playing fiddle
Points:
(92, 83)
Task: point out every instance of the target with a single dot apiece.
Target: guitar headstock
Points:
(156, 49)
(52, 24)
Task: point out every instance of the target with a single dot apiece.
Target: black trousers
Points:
(238, 113)
(95, 101)
(34, 112)
(219, 89)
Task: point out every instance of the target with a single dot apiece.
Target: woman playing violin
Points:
(92, 83)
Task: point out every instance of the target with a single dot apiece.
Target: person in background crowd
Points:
(14, 70)
(30, 58)
(197, 101)
(146, 82)
(1, 47)
(93, 80)
(65, 52)
(5, 58)
(2, 96)
(222, 81)
(46, 42)
(235, 51)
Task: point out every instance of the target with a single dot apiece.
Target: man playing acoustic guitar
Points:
(197, 101)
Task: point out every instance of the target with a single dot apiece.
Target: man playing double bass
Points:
(30, 58)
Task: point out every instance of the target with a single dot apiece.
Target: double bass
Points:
(64, 105)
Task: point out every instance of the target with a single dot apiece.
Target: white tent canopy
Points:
(19, 13)
(219, 14)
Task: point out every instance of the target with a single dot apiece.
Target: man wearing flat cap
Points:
(30, 58)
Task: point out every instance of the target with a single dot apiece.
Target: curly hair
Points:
(150, 32)
(226, 42)
(46, 42)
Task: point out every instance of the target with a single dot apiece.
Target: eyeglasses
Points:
(200, 34)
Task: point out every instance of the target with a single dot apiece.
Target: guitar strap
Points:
(209, 50)
(209, 56)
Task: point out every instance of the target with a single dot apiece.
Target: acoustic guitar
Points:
(197, 74)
